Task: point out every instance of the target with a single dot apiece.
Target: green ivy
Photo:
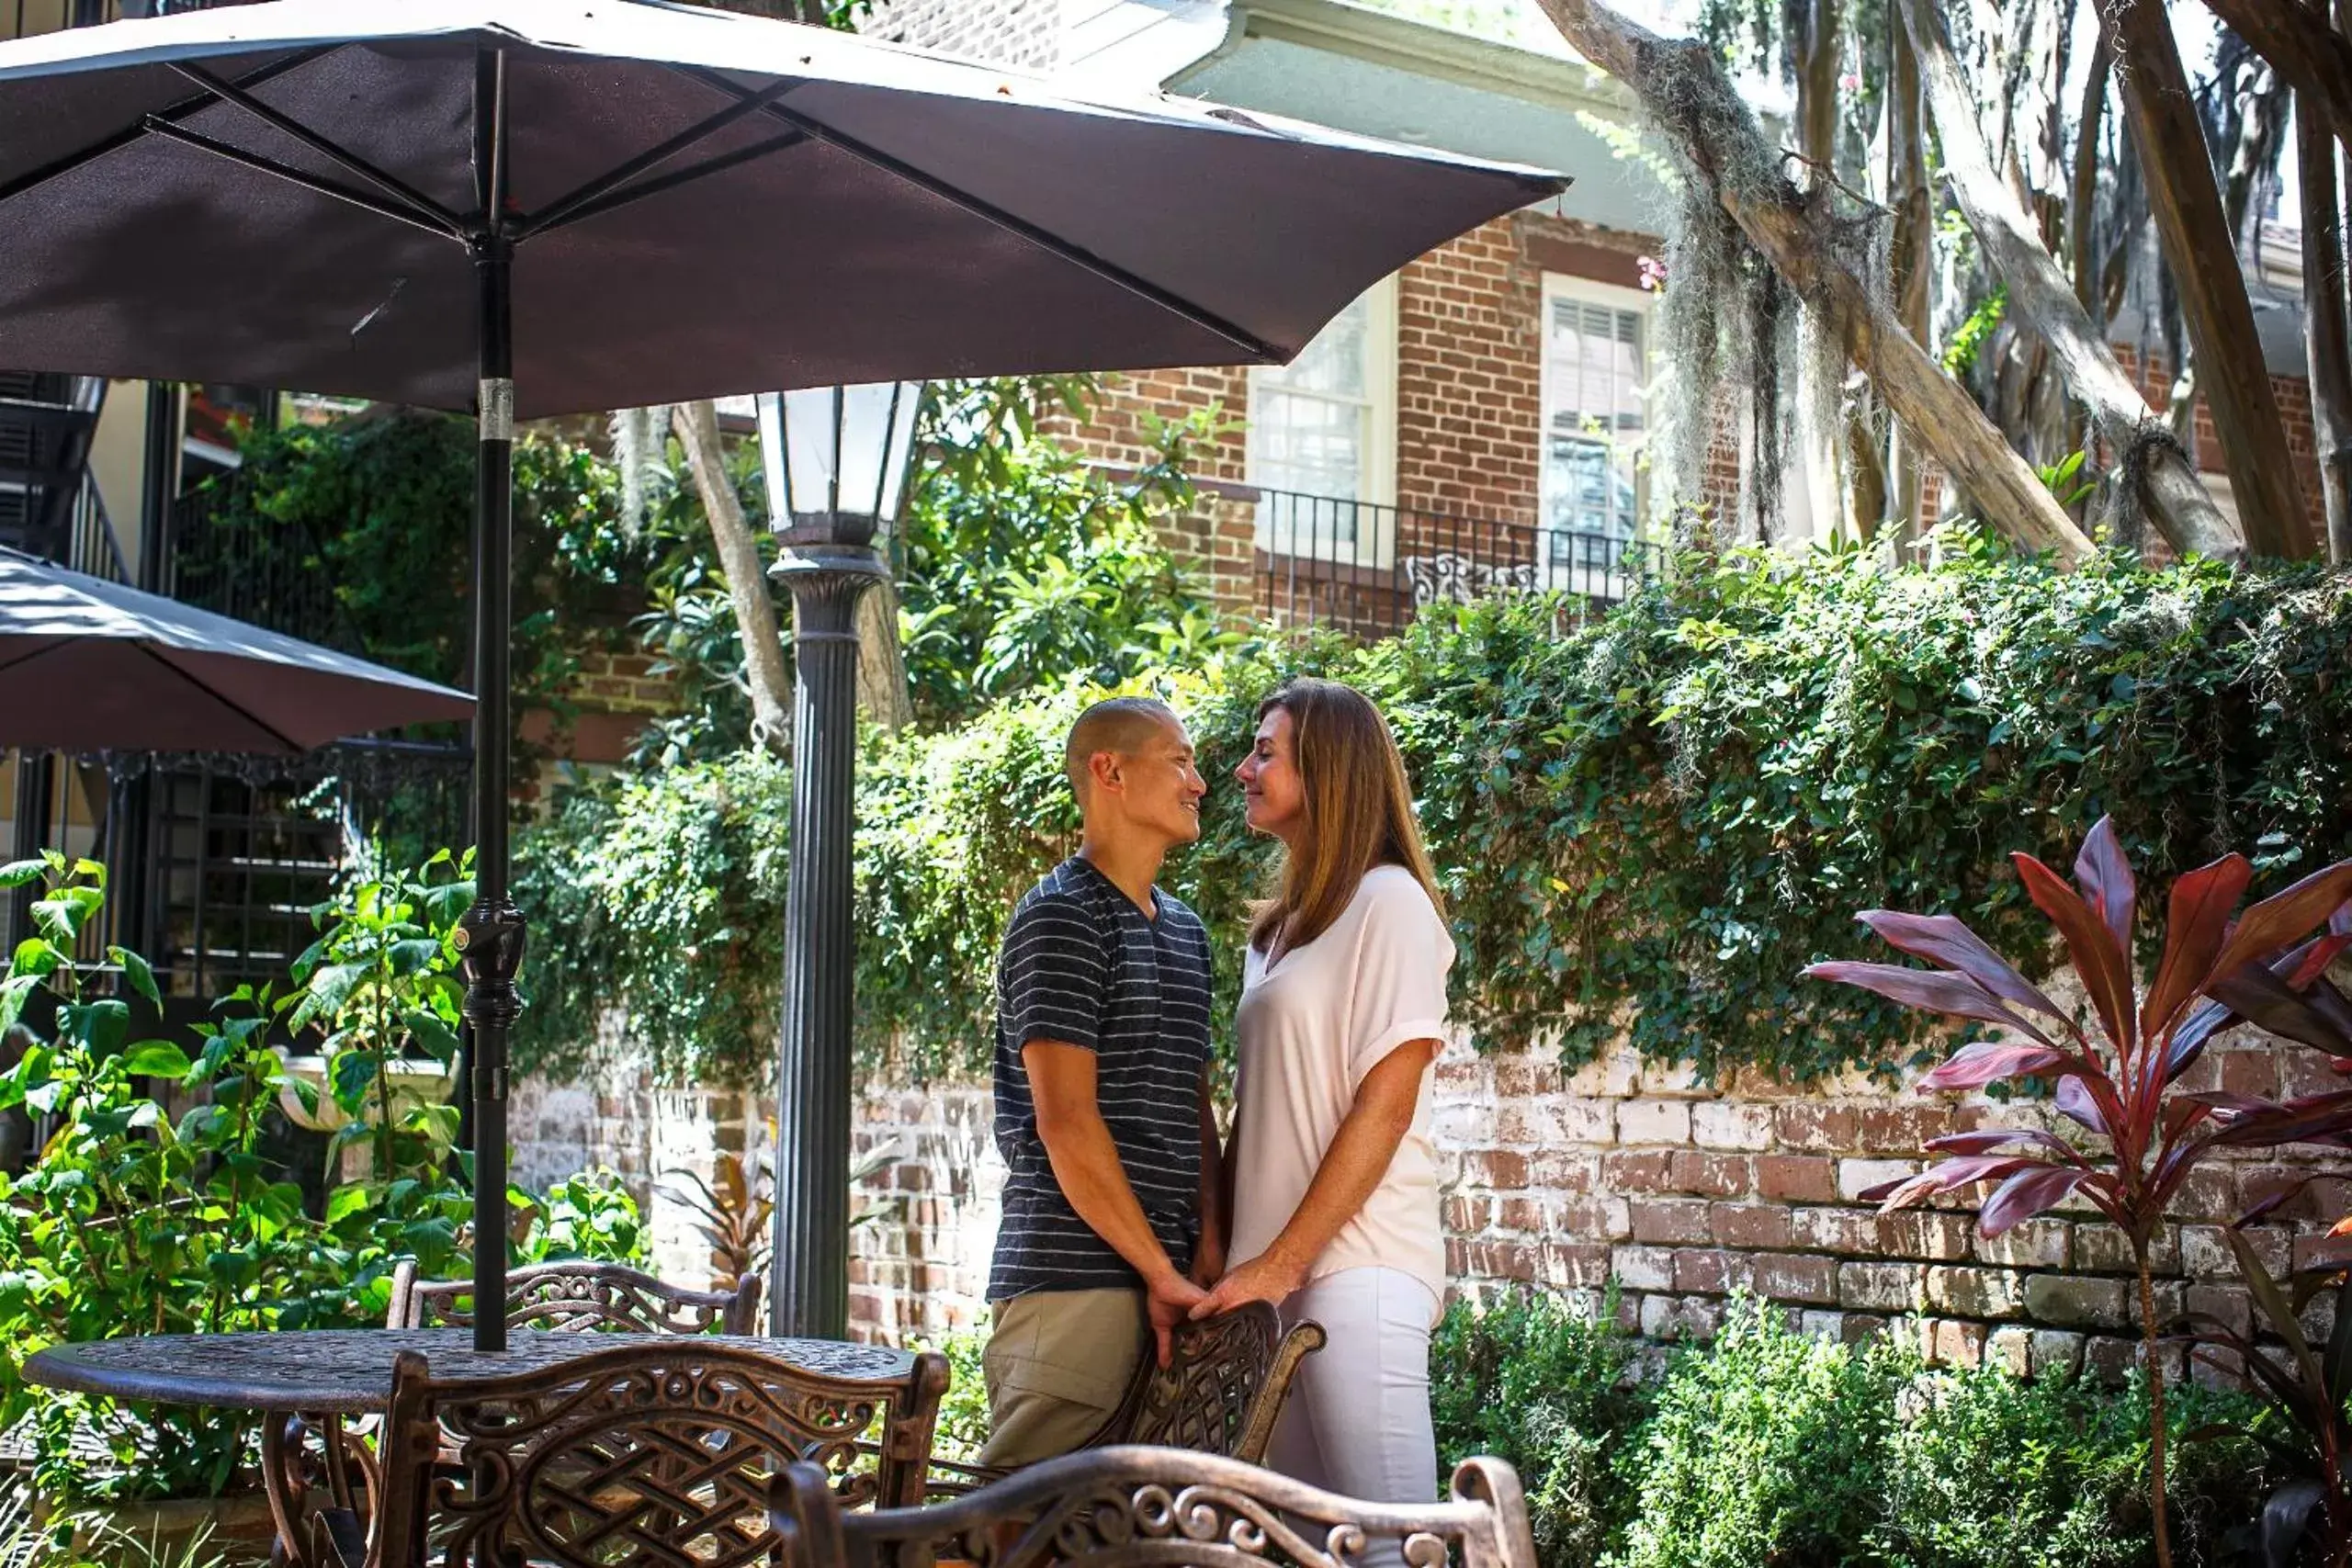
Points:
(1647, 824)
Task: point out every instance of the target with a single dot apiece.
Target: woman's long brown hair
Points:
(1359, 813)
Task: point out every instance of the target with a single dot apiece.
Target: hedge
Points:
(1648, 823)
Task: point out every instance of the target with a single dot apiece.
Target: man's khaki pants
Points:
(1057, 1364)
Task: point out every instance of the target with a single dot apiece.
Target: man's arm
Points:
(1208, 1257)
(1086, 1166)
(1359, 1157)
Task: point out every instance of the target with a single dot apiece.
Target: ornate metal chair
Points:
(1139, 1508)
(657, 1452)
(580, 1295)
(1223, 1387)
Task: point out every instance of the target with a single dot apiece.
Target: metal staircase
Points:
(49, 506)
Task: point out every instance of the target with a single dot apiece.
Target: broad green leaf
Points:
(138, 972)
(157, 1059)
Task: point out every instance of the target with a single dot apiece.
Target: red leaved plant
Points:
(2119, 1082)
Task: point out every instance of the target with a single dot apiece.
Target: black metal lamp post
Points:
(837, 461)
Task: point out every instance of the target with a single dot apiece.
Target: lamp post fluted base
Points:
(808, 1270)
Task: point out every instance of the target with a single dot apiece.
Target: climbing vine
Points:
(1646, 825)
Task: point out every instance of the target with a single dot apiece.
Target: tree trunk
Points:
(881, 662)
(1822, 419)
(1683, 87)
(2038, 298)
(1908, 261)
(2324, 317)
(747, 577)
(2083, 225)
(2196, 239)
(2314, 58)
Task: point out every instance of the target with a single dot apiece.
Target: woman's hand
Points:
(1268, 1277)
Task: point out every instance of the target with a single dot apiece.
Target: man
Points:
(1103, 1109)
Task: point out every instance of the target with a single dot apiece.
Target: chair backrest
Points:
(1224, 1386)
(1129, 1507)
(660, 1452)
(579, 1295)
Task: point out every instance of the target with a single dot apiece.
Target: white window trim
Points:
(1380, 464)
(1560, 285)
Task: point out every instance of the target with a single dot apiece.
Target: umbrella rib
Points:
(1251, 345)
(276, 170)
(660, 183)
(610, 183)
(229, 92)
(152, 651)
(131, 133)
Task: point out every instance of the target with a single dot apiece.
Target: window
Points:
(1595, 387)
(1323, 439)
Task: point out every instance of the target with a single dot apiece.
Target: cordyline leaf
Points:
(2104, 877)
(2076, 1103)
(2302, 1120)
(2274, 1199)
(2197, 922)
(1946, 941)
(2275, 1306)
(1935, 990)
(2104, 968)
(2284, 919)
(2026, 1194)
(2313, 958)
(2254, 992)
(1988, 1061)
(2286, 1520)
(1944, 1178)
(1984, 1141)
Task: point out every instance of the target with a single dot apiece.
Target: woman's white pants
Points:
(1358, 1419)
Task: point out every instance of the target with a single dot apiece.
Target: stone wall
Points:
(1680, 1193)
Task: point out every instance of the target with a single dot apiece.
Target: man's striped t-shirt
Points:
(1082, 964)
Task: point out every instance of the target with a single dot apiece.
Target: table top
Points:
(345, 1372)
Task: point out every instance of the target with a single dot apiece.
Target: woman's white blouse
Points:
(1310, 1026)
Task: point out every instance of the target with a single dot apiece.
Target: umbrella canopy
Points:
(701, 203)
(88, 665)
(539, 207)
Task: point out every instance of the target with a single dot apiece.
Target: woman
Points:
(1332, 1183)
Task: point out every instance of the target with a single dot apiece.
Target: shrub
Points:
(1991, 1470)
(964, 1412)
(1767, 1448)
(1545, 1382)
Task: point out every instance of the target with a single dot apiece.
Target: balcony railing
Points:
(1366, 569)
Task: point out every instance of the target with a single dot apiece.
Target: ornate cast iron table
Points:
(334, 1372)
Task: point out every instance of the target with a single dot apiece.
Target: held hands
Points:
(1208, 1260)
(1169, 1297)
(1269, 1277)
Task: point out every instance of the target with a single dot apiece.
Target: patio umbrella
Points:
(88, 665)
(539, 207)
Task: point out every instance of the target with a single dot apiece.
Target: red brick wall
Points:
(2294, 394)
(1469, 353)
(1682, 1194)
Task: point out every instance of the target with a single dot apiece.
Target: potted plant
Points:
(380, 987)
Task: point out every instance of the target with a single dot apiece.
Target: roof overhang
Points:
(1350, 66)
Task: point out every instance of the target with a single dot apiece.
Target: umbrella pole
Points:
(491, 934)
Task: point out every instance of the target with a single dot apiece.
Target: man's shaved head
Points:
(1121, 726)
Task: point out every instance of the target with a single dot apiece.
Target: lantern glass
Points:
(837, 451)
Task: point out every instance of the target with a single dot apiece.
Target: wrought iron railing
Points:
(1366, 569)
(274, 577)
